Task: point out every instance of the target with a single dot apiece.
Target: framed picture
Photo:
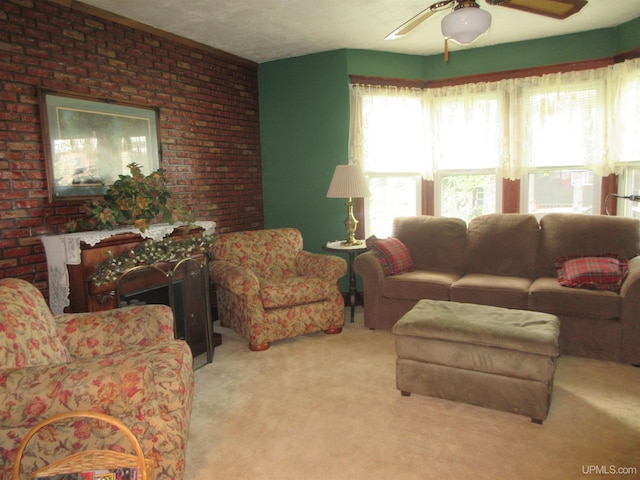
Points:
(89, 142)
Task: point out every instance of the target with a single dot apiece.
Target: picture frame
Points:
(88, 142)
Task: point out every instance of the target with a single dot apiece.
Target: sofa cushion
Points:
(602, 272)
(392, 254)
(502, 244)
(435, 243)
(497, 290)
(294, 291)
(419, 284)
(563, 234)
(28, 335)
(547, 295)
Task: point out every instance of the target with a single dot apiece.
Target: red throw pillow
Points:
(598, 272)
(392, 254)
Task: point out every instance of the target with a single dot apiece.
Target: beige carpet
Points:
(326, 407)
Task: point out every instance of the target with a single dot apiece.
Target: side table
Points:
(352, 250)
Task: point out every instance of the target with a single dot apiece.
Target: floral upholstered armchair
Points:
(124, 363)
(268, 288)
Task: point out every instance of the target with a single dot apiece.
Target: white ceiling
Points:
(265, 30)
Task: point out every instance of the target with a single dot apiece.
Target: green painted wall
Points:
(304, 118)
(628, 36)
(304, 113)
(533, 53)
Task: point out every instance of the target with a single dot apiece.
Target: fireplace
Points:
(184, 286)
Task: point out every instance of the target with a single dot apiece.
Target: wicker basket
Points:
(90, 459)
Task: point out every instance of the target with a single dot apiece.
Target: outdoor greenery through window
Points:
(557, 133)
(466, 195)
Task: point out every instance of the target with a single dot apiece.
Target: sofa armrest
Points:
(630, 314)
(329, 267)
(109, 331)
(116, 384)
(369, 268)
(233, 278)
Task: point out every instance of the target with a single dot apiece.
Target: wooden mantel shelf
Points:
(73, 258)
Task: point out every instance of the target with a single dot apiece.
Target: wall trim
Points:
(496, 76)
(128, 22)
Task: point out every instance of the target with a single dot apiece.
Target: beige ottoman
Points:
(488, 356)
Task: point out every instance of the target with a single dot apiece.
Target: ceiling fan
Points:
(467, 21)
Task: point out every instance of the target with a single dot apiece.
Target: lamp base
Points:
(352, 243)
(350, 225)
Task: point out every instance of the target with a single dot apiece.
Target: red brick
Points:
(209, 126)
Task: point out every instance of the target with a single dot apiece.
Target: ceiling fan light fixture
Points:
(464, 25)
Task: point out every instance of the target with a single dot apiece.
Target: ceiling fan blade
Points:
(409, 25)
(559, 9)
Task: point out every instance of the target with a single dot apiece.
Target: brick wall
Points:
(209, 123)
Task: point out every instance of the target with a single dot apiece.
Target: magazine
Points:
(114, 474)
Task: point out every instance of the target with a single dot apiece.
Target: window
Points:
(564, 128)
(392, 152)
(629, 185)
(466, 195)
(561, 190)
(466, 147)
(626, 135)
(559, 134)
(391, 196)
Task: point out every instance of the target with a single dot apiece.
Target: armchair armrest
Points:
(106, 332)
(329, 267)
(234, 278)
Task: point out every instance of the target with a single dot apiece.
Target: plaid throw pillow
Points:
(392, 254)
(597, 272)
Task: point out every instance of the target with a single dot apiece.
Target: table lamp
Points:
(348, 182)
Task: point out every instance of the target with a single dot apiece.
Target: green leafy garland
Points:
(150, 253)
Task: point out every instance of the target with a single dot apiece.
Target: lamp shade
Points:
(464, 25)
(348, 182)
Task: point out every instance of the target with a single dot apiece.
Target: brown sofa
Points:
(509, 260)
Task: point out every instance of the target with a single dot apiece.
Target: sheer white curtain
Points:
(560, 121)
(389, 139)
(624, 122)
(389, 129)
(519, 124)
(469, 126)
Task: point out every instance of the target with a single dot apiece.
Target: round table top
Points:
(337, 245)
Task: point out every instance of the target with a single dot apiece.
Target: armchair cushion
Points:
(294, 291)
(27, 328)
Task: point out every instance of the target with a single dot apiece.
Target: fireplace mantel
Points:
(67, 263)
